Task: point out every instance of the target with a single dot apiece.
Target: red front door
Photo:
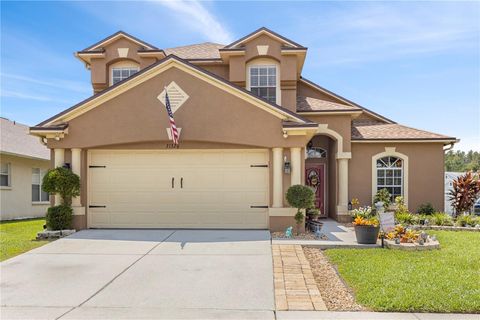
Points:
(315, 178)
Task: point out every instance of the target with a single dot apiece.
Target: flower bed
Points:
(410, 239)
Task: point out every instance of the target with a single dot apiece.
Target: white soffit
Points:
(176, 96)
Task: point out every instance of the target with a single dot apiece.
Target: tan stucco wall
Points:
(425, 176)
(16, 201)
(342, 124)
(209, 115)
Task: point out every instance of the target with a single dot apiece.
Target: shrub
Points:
(441, 219)
(302, 198)
(426, 209)
(405, 218)
(63, 182)
(384, 196)
(59, 217)
(467, 220)
(465, 190)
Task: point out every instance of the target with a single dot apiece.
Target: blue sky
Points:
(417, 63)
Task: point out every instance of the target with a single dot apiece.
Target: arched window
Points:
(316, 152)
(263, 79)
(390, 175)
(122, 70)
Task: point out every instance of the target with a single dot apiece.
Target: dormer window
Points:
(119, 74)
(122, 70)
(263, 81)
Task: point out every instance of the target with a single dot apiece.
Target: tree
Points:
(302, 198)
(63, 182)
(465, 191)
(459, 161)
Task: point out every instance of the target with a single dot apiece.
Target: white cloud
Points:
(200, 19)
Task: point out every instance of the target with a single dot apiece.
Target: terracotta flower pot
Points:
(367, 234)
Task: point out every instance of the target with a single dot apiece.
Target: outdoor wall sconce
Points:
(285, 134)
(287, 167)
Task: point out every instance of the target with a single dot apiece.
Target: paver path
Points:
(295, 287)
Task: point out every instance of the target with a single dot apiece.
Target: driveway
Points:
(143, 274)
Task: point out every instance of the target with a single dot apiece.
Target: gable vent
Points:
(176, 95)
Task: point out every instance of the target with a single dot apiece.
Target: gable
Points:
(210, 114)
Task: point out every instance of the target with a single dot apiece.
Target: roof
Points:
(16, 140)
(206, 50)
(119, 34)
(264, 30)
(133, 79)
(370, 112)
(309, 104)
(365, 129)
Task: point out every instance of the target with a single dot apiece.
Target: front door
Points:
(315, 178)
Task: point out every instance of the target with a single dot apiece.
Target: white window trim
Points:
(122, 65)
(390, 152)
(9, 177)
(264, 62)
(40, 188)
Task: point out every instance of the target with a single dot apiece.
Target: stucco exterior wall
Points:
(16, 200)
(425, 172)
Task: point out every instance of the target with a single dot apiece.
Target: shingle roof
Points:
(365, 129)
(16, 140)
(206, 50)
(308, 104)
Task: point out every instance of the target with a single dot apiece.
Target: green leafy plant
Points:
(426, 209)
(384, 196)
(362, 212)
(465, 190)
(441, 219)
(63, 182)
(467, 220)
(405, 218)
(302, 198)
(59, 217)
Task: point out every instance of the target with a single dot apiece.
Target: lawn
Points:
(445, 280)
(17, 237)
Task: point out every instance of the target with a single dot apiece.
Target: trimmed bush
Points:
(59, 217)
(302, 198)
(426, 209)
(63, 182)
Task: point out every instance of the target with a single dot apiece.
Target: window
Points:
(316, 152)
(38, 195)
(5, 175)
(263, 82)
(390, 175)
(119, 74)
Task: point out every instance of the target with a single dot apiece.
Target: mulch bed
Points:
(336, 294)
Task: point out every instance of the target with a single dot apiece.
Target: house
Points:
(24, 160)
(250, 126)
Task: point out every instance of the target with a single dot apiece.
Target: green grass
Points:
(445, 280)
(17, 237)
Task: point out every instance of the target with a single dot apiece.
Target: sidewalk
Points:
(332, 315)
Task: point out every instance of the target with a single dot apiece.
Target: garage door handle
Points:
(258, 207)
(173, 182)
(97, 206)
(181, 182)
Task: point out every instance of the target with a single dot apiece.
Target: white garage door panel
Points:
(219, 187)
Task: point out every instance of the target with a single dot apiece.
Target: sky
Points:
(417, 63)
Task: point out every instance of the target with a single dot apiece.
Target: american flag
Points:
(173, 127)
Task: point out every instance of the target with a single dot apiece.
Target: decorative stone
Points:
(420, 246)
(56, 234)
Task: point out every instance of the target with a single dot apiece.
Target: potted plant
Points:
(366, 225)
(302, 198)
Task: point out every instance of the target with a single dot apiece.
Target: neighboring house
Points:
(24, 160)
(251, 126)
(449, 177)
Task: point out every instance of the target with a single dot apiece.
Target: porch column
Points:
(76, 168)
(277, 178)
(296, 162)
(342, 206)
(59, 161)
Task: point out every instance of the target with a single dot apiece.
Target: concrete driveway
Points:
(143, 274)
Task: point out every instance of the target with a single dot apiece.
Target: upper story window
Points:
(5, 180)
(263, 81)
(121, 73)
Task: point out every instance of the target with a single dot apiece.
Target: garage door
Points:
(178, 189)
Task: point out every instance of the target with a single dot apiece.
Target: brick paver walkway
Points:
(295, 287)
